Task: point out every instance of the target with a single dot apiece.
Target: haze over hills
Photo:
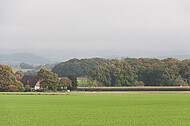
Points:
(66, 54)
(35, 59)
(180, 57)
(23, 57)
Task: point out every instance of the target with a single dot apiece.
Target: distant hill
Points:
(112, 57)
(23, 57)
(179, 57)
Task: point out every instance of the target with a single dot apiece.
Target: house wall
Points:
(37, 87)
(38, 84)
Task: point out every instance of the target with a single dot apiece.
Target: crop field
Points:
(95, 108)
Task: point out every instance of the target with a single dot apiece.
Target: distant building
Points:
(32, 81)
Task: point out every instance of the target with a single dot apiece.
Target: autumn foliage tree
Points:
(8, 81)
(19, 75)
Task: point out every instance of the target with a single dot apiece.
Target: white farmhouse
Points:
(32, 81)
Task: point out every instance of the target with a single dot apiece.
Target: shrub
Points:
(138, 83)
(27, 88)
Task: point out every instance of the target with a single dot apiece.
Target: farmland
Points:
(82, 82)
(95, 108)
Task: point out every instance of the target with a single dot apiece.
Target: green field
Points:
(82, 82)
(92, 109)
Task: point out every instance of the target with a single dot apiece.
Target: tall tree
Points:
(73, 78)
(49, 80)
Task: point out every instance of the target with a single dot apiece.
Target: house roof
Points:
(29, 80)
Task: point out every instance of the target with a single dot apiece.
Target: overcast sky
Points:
(96, 26)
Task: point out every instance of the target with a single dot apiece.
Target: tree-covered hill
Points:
(78, 67)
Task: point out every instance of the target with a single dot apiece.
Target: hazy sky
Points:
(95, 26)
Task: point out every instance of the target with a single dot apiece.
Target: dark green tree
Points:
(150, 72)
(113, 74)
(73, 78)
(78, 67)
(49, 80)
(27, 88)
(65, 83)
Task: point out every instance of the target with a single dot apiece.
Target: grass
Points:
(92, 109)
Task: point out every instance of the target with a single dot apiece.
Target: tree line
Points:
(24, 65)
(103, 72)
(34, 69)
(10, 81)
(50, 81)
(142, 72)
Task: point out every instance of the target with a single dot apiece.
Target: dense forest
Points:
(78, 67)
(143, 71)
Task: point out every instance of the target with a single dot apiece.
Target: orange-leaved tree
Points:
(8, 81)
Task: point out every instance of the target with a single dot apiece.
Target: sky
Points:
(87, 28)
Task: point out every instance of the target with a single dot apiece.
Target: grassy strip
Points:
(133, 89)
(33, 93)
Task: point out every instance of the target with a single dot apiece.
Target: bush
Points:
(138, 83)
(12, 88)
(27, 88)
